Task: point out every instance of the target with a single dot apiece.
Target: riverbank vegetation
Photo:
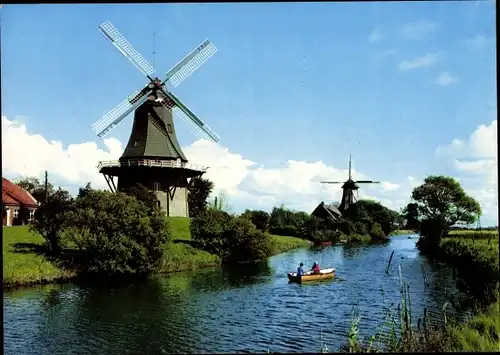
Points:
(440, 205)
(364, 222)
(99, 233)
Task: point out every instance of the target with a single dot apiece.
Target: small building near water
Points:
(326, 211)
(18, 205)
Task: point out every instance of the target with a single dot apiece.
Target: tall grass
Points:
(477, 264)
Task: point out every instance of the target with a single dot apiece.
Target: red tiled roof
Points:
(15, 195)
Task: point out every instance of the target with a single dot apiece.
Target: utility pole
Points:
(46, 187)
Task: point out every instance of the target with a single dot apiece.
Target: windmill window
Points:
(156, 186)
(136, 144)
(169, 127)
(16, 213)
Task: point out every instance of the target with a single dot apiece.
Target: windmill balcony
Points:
(150, 163)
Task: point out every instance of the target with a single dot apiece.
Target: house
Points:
(17, 204)
(326, 211)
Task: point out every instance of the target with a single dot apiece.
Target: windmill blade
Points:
(190, 63)
(116, 115)
(180, 111)
(111, 33)
(331, 182)
(367, 182)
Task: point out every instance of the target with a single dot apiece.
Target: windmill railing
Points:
(150, 163)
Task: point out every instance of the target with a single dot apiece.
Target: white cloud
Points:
(26, 154)
(248, 184)
(376, 35)
(419, 30)
(445, 78)
(476, 160)
(420, 62)
(480, 41)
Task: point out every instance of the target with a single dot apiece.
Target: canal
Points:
(249, 308)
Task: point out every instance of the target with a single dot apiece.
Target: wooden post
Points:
(46, 187)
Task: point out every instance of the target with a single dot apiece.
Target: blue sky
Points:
(291, 81)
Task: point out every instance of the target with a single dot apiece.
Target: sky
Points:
(407, 88)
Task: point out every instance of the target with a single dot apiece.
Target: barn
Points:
(327, 211)
(18, 205)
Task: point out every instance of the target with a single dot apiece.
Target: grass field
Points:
(25, 263)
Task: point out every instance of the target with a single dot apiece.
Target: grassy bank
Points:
(280, 244)
(402, 232)
(24, 261)
(477, 262)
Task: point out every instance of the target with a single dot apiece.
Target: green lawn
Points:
(23, 263)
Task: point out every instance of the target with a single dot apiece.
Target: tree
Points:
(35, 188)
(49, 219)
(369, 212)
(442, 203)
(410, 214)
(199, 190)
(221, 202)
(148, 197)
(259, 218)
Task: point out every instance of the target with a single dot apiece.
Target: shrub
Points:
(234, 239)
(376, 231)
(244, 242)
(477, 264)
(116, 234)
(207, 230)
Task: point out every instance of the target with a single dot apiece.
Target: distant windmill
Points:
(350, 186)
(153, 156)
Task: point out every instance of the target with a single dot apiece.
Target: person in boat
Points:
(315, 268)
(300, 270)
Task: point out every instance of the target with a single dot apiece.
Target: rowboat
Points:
(311, 276)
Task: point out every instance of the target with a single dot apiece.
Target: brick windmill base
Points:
(168, 179)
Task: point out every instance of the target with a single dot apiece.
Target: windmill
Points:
(153, 157)
(348, 188)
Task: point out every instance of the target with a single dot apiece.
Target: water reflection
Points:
(249, 307)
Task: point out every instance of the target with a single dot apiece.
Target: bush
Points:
(244, 242)
(376, 231)
(207, 231)
(234, 239)
(477, 264)
(116, 234)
